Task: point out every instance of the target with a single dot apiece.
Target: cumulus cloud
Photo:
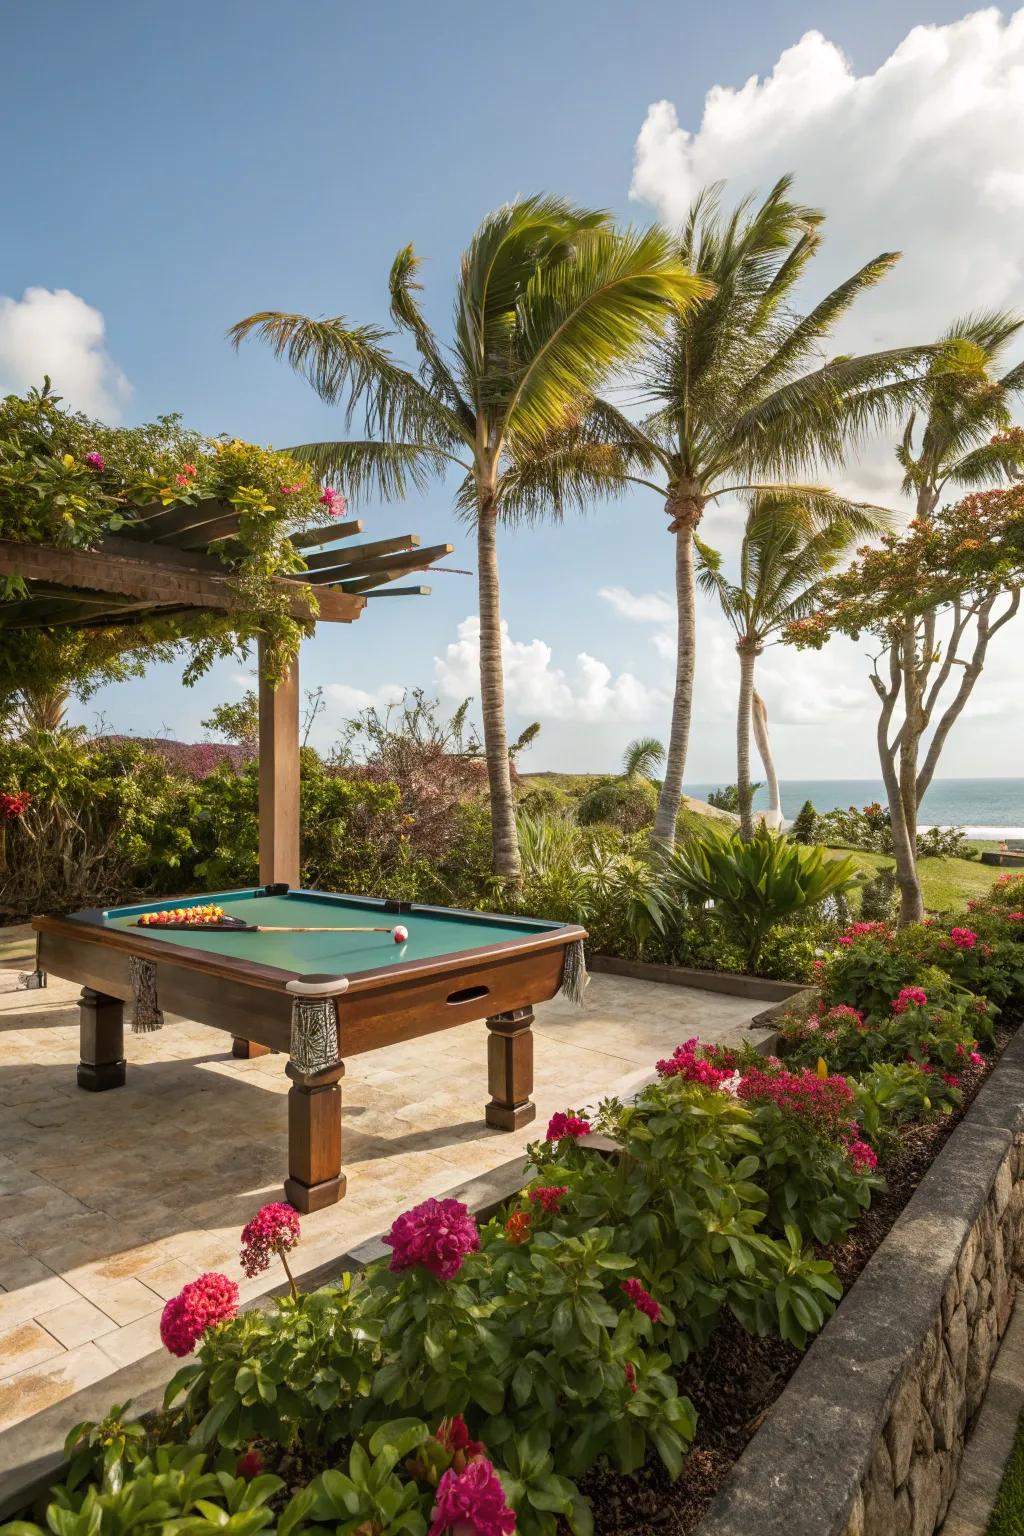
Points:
(921, 156)
(645, 607)
(57, 333)
(588, 693)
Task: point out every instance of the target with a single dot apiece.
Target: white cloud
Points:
(352, 700)
(534, 687)
(57, 333)
(645, 607)
(921, 156)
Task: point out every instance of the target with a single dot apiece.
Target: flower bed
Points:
(488, 1377)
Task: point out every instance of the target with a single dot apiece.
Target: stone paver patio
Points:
(110, 1202)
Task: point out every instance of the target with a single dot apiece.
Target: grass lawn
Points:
(1008, 1515)
(946, 883)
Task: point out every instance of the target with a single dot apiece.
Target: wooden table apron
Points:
(249, 1001)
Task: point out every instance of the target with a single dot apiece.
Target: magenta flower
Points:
(290, 490)
(562, 1125)
(910, 996)
(334, 501)
(274, 1229)
(862, 1157)
(695, 1063)
(641, 1299)
(963, 938)
(199, 1305)
(437, 1235)
(96, 461)
(472, 1503)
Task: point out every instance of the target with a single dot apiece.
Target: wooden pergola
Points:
(159, 567)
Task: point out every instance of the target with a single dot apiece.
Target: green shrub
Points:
(880, 896)
(753, 885)
(805, 828)
(628, 804)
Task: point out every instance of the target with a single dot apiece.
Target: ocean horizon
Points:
(984, 808)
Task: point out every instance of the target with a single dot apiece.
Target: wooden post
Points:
(315, 1179)
(510, 1070)
(101, 1037)
(279, 777)
(280, 858)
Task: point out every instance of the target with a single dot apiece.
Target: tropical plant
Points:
(629, 800)
(932, 599)
(754, 882)
(550, 300)
(743, 402)
(727, 798)
(642, 757)
(788, 546)
(804, 828)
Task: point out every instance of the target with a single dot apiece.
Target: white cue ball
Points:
(399, 934)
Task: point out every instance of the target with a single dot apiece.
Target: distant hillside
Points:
(575, 785)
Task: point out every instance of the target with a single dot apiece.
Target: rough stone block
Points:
(901, 1429)
(925, 1489)
(957, 1343)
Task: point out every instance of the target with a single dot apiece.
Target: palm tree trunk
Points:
(773, 815)
(748, 656)
(504, 838)
(903, 835)
(685, 511)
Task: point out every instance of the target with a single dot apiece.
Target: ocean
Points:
(984, 808)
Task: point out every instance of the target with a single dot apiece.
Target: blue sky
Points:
(178, 166)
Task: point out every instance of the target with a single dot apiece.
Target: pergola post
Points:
(279, 777)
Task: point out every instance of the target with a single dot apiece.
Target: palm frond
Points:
(405, 311)
(367, 469)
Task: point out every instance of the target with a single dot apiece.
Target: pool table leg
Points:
(315, 1179)
(510, 1070)
(248, 1049)
(101, 1041)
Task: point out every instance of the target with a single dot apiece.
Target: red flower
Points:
(199, 1305)
(249, 1465)
(641, 1299)
(472, 1503)
(274, 1229)
(562, 1125)
(695, 1063)
(630, 1375)
(453, 1434)
(550, 1199)
(862, 1157)
(910, 996)
(14, 805)
(963, 938)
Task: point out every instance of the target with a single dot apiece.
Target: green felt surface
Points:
(346, 954)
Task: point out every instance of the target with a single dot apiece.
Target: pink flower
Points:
(550, 1199)
(963, 938)
(695, 1063)
(862, 1157)
(189, 470)
(334, 501)
(951, 1080)
(630, 1375)
(290, 490)
(910, 996)
(199, 1305)
(820, 1102)
(96, 461)
(274, 1229)
(472, 1503)
(641, 1299)
(437, 1235)
(977, 1060)
(566, 1124)
(182, 480)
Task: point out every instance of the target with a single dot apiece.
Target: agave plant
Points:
(753, 884)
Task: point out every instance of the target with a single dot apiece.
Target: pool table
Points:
(318, 996)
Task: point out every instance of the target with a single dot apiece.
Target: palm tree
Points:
(550, 299)
(788, 547)
(738, 406)
(966, 442)
(759, 718)
(642, 757)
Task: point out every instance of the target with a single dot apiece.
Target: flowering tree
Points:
(932, 599)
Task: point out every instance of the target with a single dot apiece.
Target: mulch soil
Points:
(736, 1378)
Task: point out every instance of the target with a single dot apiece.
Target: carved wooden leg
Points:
(510, 1070)
(248, 1049)
(314, 1177)
(101, 1036)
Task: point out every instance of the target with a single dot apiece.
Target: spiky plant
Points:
(550, 300)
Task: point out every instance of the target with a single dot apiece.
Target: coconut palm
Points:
(759, 718)
(642, 757)
(550, 299)
(743, 400)
(788, 547)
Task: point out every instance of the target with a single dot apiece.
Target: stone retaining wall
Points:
(867, 1438)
